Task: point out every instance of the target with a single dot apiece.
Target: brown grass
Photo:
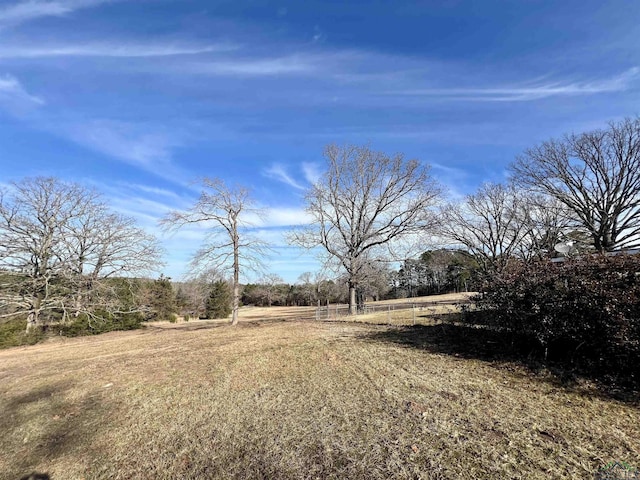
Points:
(428, 310)
(285, 400)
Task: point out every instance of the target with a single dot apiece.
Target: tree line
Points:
(61, 248)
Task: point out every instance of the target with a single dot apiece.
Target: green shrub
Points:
(102, 322)
(12, 334)
(584, 310)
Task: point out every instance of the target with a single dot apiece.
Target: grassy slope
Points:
(293, 400)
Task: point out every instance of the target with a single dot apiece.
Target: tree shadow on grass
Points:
(36, 476)
(39, 425)
(505, 351)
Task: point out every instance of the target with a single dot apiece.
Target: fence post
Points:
(413, 308)
(389, 314)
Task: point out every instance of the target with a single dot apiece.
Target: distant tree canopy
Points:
(269, 290)
(436, 272)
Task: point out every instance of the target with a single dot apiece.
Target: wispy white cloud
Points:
(125, 50)
(148, 147)
(279, 172)
(137, 145)
(255, 67)
(28, 10)
(277, 217)
(118, 140)
(318, 35)
(454, 180)
(156, 191)
(311, 172)
(14, 96)
(137, 199)
(348, 65)
(449, 170)
(617, 83)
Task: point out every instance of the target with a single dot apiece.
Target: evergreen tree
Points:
(219, 300)
(162, 300)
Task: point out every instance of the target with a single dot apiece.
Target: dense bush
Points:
(12, 333)
(102, 322)
(126, 302)
(584, 310)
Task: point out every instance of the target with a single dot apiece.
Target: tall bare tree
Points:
(60, 241)
(596, 175)
(366, 203)
(228, 244)
(489, 223)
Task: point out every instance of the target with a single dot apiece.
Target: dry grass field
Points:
(296, 400)
(427, 311)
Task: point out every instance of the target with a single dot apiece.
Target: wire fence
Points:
(397, 313)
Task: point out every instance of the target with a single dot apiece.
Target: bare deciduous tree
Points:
(366, 201)
(596, 175)
(192, 293)
(374, 282)
(307, 288)
(269, 284)
(547, 222)
(489, 223)
(60, 241)
(100, 244)
(228, 244)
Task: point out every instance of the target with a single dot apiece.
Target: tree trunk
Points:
(32, 321)
(34, 315)
(236, 279)
(352, 299)
(607, 242)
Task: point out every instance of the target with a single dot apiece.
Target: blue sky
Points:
(139, 98)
